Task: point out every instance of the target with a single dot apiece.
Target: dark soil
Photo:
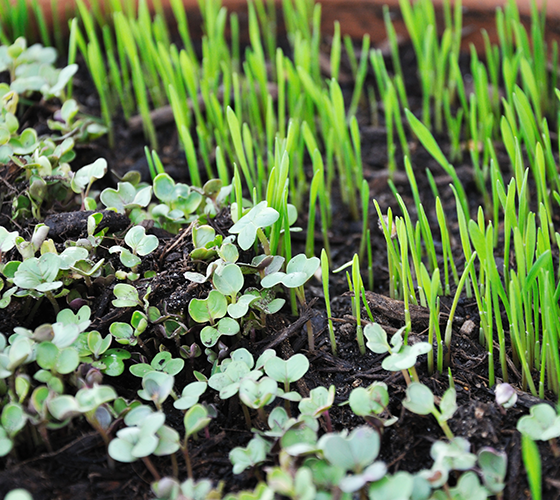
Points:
(77, 467)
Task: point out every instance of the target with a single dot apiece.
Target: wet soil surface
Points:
(77, 465)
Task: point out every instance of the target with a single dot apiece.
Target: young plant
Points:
(420, 400)
(298, 270)
(140, 243)
(318, 404)
(196, 419)
(325, 279)
(401, 357)
(371, 402)
(144, 435)
(251, 456)
(543, 424)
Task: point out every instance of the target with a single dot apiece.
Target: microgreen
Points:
(190, 395)
(370, 402)
(156, 387)
(196, 419)
(354, 452)
(252, 455)
(542, 424)
(225, 108)
(250, 225)
(298, 270)
(493, 464)
(287, 371)
(162, 361)
(505, 395)
(143, 437)
(402, 357)
(420, 400)
(209, 309)
(532, 462)
(126, 197)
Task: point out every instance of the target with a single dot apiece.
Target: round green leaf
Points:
(47, 354)
(419, 399)
(68, 360)
(287, 371)
(13, 418)
(228, 280)
(213, 307)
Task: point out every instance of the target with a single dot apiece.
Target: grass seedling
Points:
(428, 141)
(431, 289)
(316, 184)
(325, 279)
(370, 259)
(360, 77)
(364, 192)
(357, 286)
(335, 51)
(446, 247)
(532, 463)
(393, 257)
(405, 274)
(393, 43)
(449, 326)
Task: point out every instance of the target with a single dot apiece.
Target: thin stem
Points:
(310, 336)
(174, 465)
(264, 241)
(150, 466)
(406, 377)
(187, 458)
(328, 421)
(414, 374)
(53, 301)
(247, 416)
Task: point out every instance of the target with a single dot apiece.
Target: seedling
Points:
(94, 349)
(50, 357)
(126, 197)
(543, 424)
(162, 361)
(156, 387)
(250, 226)
(129, 334)
(298, 271)
(196, 419)
(190, 395)
(179, 201)
(210, 335)
(209, 309)
(257, 394)
(287, 372)
(420, 400)
(145, 434)
(254, 454)
(127, 296)
(493, 465)
(86, 401)
(140, 243)
(318, 404)
(402, 357)
(506, 397)
(370, 403)
(38, 275)
(353, 452)
(454, 455)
